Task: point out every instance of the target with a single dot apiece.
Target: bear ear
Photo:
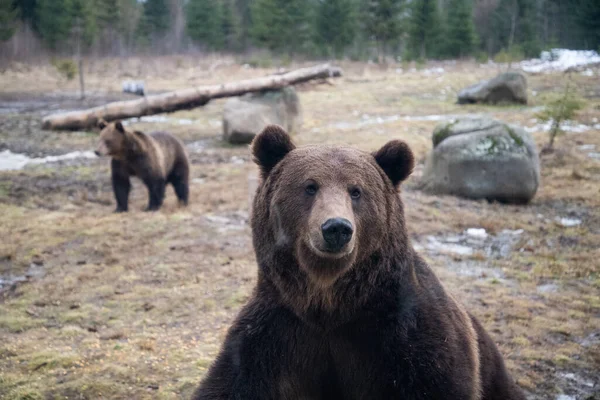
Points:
(269, 147)
(395, 159)
(119, 127)
(101, 124)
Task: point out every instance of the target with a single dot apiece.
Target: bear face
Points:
(113, 140)
(328, 206)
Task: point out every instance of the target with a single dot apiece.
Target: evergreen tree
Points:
(244, 16)
(154, 20)
(8, 19)
(282, 25)
(515, 27)
(382, 21)
(424, 29)
(460, 36)
(83, 22)
(587, 16)
(230, 26)
(54, 21)
(336, 24)
(205, 23)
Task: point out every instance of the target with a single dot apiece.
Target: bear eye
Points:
(355, 193)
(311, 189)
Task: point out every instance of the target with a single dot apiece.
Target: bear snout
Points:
(337, 233)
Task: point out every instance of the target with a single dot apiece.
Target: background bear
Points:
(157, 159)
(344, 308)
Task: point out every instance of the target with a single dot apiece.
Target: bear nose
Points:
(337, 232)
(97, 153)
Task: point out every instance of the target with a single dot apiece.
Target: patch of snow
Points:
(548, 288)
(515, 232)
(64, 157)
(436, 245)
(237, 160)
(477, 232)
(567, 126)
(565, 397)
(569, 222)
(595, 156)
(158, 119)
(10, 161)
(367, 120)
(560, 60)
(584, 147)
(587, 72)
(578, 379)
(433, 71)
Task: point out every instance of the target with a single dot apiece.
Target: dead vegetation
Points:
(136, 305)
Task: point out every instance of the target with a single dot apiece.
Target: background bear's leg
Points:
(121, 185)
(156, 193)
(179, 178)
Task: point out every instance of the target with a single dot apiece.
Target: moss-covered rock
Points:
(482, 158)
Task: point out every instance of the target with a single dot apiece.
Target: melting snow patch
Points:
(548, 288)
(568, 222)
(433, 71)
(436, 245)
(237, 160)
(585, 147)
(565, 397)
(595, 156)
(14, 161)
(567, 126)
(587, 72)
(158, 119)
(578, 379)
(477, 232)
(560, 60)
(367, 120)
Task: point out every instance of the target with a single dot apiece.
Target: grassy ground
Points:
(135, 305)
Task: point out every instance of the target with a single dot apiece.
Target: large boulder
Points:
(509, 87)
(482, 159)
(246, 116)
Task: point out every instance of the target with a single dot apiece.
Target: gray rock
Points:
(509, 87)
(246, 116)
(482, 159)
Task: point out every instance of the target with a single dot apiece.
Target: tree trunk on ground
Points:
(183, 99)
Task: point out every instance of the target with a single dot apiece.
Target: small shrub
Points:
(515, 53)
(558, 110)
(481, 57)
(260, 60)
(65, 67)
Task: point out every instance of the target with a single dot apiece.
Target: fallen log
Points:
(183, 99)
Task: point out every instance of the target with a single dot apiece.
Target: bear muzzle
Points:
(337, 233)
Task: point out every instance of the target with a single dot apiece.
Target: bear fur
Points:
(157, 159)
(353, 314)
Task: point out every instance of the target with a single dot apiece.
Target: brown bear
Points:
(157, 158)
(344, 308)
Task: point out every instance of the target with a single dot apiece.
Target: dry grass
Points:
(136, 305)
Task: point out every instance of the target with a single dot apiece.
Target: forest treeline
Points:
(355, 29)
